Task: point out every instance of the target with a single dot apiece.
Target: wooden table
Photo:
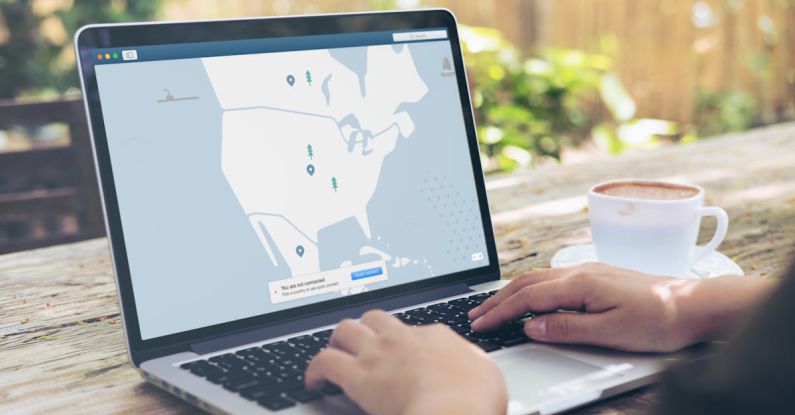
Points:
(61, 343)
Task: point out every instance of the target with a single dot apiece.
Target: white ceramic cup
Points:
(655, 236)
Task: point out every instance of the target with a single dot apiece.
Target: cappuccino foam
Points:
(647, 190)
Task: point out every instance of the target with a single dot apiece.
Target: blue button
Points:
(366, 273)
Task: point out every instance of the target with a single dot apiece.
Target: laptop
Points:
(264, 178)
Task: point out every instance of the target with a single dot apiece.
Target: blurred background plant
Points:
(722, 112)
(37, 58)
(532, 109)
(552, 81)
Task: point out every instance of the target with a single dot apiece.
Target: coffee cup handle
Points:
(717, 238)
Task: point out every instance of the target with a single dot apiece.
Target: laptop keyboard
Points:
(273, 375)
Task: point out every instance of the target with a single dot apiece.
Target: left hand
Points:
(387, 367)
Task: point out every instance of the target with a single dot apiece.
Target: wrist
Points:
(707, 310)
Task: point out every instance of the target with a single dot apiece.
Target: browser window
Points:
(258, 175)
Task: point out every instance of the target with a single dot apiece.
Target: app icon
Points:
(129, 55)
(447, 68)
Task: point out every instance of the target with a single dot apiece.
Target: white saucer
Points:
(713, 265)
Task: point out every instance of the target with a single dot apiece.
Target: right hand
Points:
(620, 309)
(387, 367)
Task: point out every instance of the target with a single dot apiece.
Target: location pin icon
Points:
(310, 169)
(299, 250)
(290, 80)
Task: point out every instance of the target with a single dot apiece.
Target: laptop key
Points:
(239, 373)
(486, 335)
(232, 363)
(216, 359)
(289, 373)
(488, 347)
(301, 338)
(405, 318)
(275, 403)
(331, 389)
(461, 329)
(196, 363)
(476, 301)
(289, 384)
(213, 372)
(267, 367)
(238, 384)
(464, 304)
(246, 352)
(219, 379)
(260, 356)
(257, 392)
(310, 353)
(515, 341)
(200, 370)
(308, 342)
(453, 321)
(442, 308)
(304, 396)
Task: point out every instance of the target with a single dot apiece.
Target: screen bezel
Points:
(144, 34)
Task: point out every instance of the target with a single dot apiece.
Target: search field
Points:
(415, 36)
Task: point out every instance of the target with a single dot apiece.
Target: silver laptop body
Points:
(265, 178)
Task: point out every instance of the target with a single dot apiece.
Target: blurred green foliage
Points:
(717, 113)
(530, 109)
(526, 108)
(38, 57)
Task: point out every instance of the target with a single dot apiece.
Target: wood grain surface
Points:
(61, 342)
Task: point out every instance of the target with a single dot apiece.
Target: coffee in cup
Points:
(647, 190)
(651, 226)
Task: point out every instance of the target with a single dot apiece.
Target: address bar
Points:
(415, 36)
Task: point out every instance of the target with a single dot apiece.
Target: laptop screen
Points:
(258, 175)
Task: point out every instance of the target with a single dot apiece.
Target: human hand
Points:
(387, 367)
(618, 308)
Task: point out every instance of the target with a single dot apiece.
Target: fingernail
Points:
(476, 324)
(474, 311)
(536, 329)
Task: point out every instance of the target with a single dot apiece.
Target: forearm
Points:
(709, 309)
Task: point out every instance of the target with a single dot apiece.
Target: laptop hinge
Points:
(331, 317)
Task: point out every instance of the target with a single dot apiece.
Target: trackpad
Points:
(536, 376)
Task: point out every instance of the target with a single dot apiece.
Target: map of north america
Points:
(304, 139)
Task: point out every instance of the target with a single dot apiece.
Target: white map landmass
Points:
(267, 125)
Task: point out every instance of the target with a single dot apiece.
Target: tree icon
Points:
(334, 183)
(309, 151)
(309, 77)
